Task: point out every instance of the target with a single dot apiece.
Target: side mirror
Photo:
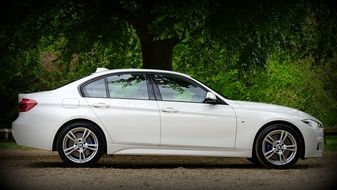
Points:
(210, 98)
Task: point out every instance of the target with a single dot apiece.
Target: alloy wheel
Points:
(80, 145)
(279, 147)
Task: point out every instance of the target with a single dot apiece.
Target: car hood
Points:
(271, 108)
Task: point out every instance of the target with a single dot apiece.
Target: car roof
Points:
(104, 71)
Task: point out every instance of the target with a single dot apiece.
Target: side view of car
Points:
(155, 112)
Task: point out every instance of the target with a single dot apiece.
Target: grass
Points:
(7, 145)
(330, 143)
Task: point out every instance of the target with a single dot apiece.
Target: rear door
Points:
(124, 103)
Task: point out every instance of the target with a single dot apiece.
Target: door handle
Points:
(169, 110)
(101, 105)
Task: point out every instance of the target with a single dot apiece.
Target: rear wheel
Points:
(80, 144)
(278, 146)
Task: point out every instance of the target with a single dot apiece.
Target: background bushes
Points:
(285, 54)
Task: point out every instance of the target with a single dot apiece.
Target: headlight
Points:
(312, 123)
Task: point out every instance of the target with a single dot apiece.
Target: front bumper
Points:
(313, 140)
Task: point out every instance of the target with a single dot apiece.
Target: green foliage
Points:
(51, 48)
(287, 58)
(293, 83)
(161, 19)
(283, 52)
(330, 143)
(178, 18)
(10, 145)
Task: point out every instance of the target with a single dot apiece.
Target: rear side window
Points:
(95, 89)
(129, 86)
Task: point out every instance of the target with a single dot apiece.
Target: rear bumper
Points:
(33, 131)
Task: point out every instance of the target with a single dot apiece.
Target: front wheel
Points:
(80, 144)
(278, 146)
(254, 160)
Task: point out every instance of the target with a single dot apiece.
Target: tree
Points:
(229, 45)
(159, 24)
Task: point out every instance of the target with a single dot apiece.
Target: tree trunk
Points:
(157, 54)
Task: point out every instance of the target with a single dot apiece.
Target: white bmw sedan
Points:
(154, 112)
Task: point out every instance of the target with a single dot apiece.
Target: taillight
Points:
(26, 104)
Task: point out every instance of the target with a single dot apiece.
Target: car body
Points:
(155, 112)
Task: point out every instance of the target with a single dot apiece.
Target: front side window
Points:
(95, 89)
(130, 86)
(177, 89)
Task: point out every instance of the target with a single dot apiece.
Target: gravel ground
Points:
(35, 169)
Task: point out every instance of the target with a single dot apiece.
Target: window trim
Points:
(158, 93)
(153, 89)
(151, 95)
(137, 73)
(106, 87)
(81, 87)
(220, 100)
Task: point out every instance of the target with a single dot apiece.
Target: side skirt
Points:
(126, 149)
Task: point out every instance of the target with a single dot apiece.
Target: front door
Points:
(187, 121)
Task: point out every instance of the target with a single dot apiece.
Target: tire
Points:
(278, 146)
(80, 144)
(254, 160)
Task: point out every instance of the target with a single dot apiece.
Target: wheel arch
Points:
(54, 148)
(302, 142)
